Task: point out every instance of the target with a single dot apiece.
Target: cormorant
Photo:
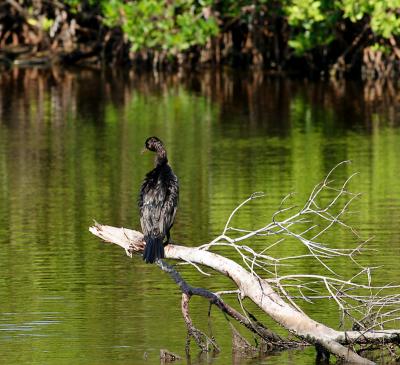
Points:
(158, 201)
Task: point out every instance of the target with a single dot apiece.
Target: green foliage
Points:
(376, 47)
(161, 24)
(314, 22)
(47, 24)
(172, 27)
(385, 20)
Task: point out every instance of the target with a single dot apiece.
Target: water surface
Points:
(70, 146)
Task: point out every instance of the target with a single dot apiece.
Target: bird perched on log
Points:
(158, 201)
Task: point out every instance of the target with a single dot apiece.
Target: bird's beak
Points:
(143, 150)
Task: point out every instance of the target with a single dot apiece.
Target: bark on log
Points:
(260, 292)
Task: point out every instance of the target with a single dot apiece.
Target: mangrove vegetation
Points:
(357, 38)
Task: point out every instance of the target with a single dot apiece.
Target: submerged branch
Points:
(274, 340)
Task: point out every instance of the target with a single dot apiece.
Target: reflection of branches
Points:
(367, 306)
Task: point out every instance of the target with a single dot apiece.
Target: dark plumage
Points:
(158, 201)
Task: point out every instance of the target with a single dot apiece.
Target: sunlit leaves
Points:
(161, 24)
(172, 27)
(314, 22)
(384, 15)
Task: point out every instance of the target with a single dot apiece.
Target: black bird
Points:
(158, 201)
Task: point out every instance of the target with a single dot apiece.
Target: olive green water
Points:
(70, 152)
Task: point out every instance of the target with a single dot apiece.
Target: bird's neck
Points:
(161, 157)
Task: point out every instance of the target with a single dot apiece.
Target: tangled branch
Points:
(366, 306)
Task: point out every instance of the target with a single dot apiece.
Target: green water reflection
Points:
(69, 153)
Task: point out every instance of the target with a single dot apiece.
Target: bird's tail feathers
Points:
(153, 250)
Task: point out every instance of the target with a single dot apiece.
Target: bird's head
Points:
(153, 144)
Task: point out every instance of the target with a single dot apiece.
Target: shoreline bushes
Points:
(351, 38)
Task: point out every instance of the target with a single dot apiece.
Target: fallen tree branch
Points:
(259, 291)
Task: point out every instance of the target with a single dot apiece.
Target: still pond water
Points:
(70, 152)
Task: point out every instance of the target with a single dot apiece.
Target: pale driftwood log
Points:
(260, 292)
